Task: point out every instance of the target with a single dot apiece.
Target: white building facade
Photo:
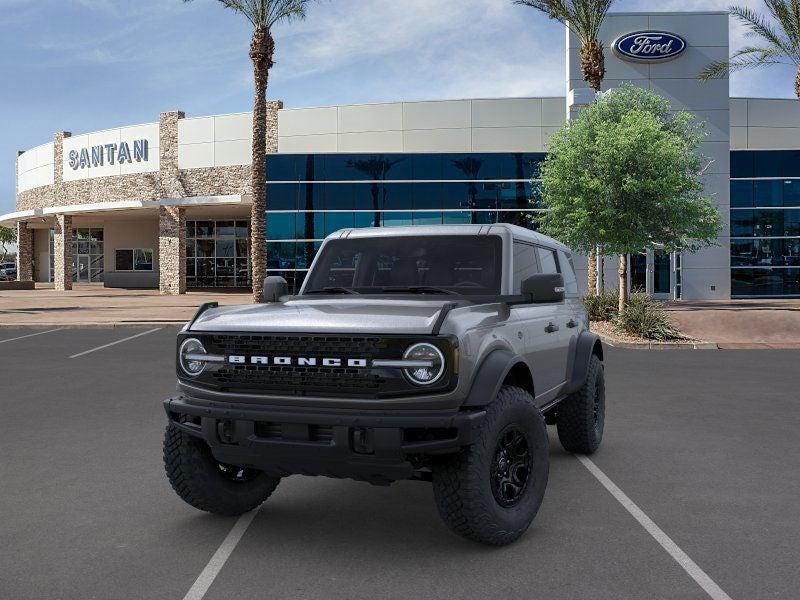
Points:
(167, 204)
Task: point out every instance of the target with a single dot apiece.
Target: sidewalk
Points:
(91, 305)
(740, 323)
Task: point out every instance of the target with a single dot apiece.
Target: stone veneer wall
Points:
(62, 250)
(169, 182)
(24, 252)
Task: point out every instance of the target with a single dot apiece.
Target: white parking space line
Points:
(695, 572)
(115, 343)
(214, 566)
(22, 337)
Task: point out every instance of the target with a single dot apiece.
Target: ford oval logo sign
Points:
(649, 46)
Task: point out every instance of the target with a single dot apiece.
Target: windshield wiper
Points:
(332, 290)
(419, 289)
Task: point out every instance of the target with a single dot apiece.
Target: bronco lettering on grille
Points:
(289, 361)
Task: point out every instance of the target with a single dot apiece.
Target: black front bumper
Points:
(379, 447)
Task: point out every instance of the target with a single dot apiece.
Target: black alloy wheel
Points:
(511, 467)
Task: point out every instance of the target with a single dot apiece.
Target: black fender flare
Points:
(490, 376)
(587, 344)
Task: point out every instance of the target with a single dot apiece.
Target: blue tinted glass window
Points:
(742, 164)
(311, 196)
(464, 166)
(768, 193)
(741, 194)
(343, 167)
(283, 167)
(339, 196)
(455, 195)
(765, 282)
(282, 196)
(427, 195)
(397, 219)
(368, 219)
(527, 166)
(396, 196)
(768, 223)
(311, 167)
(366, 196)
(790, 165)
(305, 225)
(742, 223)
(398, 167)
(336, 221)
(484, 217)
(484, 195)
(515, 195)
(457, 218)
(427, 218)
(791, 222)
(426, 166)
(280, 226)
(515, 218)
(791, 192)
(281, 255)
(768, 163)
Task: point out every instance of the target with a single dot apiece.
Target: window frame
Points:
(133, 260)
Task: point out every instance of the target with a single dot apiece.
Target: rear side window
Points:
(525, 264)
(568, 269)
(547, 260)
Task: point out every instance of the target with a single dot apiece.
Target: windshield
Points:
(445, 264)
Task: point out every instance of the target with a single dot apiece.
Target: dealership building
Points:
(167, 204)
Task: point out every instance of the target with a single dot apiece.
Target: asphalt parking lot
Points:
(705, 443)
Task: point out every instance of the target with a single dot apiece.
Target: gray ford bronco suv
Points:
(435, 353)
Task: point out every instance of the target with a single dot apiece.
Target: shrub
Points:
(602, 307)
(645, 318)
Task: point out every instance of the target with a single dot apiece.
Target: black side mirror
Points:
(275, 287)
(544, 288)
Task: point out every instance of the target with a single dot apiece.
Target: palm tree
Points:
(780, 41)
(584, 19)
(263, 15)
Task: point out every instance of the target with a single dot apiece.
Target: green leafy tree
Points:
(584, 19)
(263, 15)
(778, 40)
(8, 236)
(627, 174)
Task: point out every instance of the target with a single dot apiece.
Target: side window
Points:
(548, 260)
(525, 264)
(568, 269)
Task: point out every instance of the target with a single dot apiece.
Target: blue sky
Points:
(84, 65)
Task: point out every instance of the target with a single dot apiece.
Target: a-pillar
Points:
(62, 253)
(171, 250)
(24, 252)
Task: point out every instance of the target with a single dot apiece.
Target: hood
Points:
(340, 315)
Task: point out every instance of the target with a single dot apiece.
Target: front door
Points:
(83, 268)
(662, 272)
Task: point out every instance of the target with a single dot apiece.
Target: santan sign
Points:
(649, 46)
(97, 156)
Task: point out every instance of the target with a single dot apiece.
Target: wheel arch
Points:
(500, 367)
(587, 345)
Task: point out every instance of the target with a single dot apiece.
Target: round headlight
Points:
(428, 353)
(188, 356)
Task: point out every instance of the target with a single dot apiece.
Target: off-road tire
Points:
(198, 479)
(581, 417)
(462, 483)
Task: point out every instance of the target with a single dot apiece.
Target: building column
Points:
(62, 251)
(171, 250)
(24, 252)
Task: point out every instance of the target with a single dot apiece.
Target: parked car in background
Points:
(8, 271)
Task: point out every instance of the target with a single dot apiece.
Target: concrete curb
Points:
(658, 345)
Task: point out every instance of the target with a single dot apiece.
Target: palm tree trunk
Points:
(593, 70)
(593, 67)
(797, 84)
(623, 282)
(592, 272)
(261, 51)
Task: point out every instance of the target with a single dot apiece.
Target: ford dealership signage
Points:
(649, 46)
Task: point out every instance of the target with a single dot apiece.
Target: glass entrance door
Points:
(662, 271)
(83, 269)
(651, 272)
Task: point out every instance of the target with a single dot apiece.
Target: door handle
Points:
(572, 323)
(551, 328)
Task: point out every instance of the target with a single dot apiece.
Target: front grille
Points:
(340, 381)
